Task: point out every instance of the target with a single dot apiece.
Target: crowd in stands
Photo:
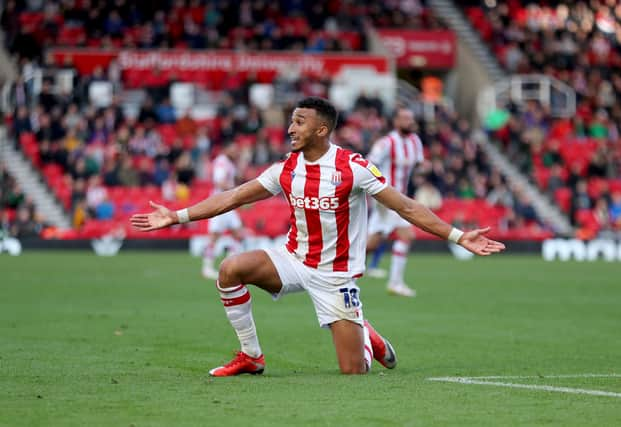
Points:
(252, 25)
(576, 160)
(104, 163)
(93, 157)
(18, 217)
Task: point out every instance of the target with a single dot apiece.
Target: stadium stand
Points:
(104, 162)
(576, 160)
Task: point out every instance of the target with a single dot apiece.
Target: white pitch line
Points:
(508, 377)
(473, 380)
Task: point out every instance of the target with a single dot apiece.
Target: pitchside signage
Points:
(181, 62)
(421, 49)
(578, 250)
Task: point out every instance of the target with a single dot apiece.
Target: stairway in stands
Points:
(456, 20)
(545, 208)
(30, 181)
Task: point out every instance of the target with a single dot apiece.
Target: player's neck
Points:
(402, 134)
(314, 152)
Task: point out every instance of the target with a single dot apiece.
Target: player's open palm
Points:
(476, 242)
(161, 217)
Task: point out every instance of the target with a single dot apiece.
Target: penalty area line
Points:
(542, 387)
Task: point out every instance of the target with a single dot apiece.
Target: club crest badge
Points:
(336, 178)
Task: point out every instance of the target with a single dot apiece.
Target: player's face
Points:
(305, 128)
(404, 121)
(232, 151)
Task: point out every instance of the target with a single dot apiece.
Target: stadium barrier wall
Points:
(423, 246)
(550, 249)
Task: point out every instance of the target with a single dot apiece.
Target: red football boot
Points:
(383, 351)
(241, 364)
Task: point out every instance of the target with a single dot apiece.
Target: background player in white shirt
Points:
(395, 155)
(224, 176)
(326, 188)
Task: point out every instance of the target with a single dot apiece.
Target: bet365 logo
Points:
(320, 203)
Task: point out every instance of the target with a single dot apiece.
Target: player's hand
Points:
(161, 217)
(476, 242)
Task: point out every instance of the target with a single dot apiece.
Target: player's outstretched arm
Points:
(415, 213)
(217, 204)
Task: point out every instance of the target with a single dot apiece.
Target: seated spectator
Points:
(500, 195)
(25, 225)
(127, 174)
(161, 172)
(601, 213)
(21, 122)
(555, 181)
(615, 210)
(580, 199)
(184, 169)
(80, 214)
(78, 191)
(186, 126)
(96, 194)
(165, 111)
(105, 209)
(14, 197)
(427, 194)
(147, 111)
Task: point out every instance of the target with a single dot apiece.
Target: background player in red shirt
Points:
(224, 176)
(396, 155)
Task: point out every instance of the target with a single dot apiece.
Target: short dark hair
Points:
(323, 107)
(400, 108)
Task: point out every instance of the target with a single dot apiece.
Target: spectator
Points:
(427, 194)
(25, 226)
(127, 174)
(21, 123)
(105, 210)
(96, 194)
(165, 111)
(580, 199)
(555, 181)
(615, 210)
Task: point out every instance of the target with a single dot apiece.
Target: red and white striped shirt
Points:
(396, 157)
(224, 173)
(327, 198)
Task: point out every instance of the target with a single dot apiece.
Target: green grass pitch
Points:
(128, 340)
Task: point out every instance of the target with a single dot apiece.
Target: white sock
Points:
(368, 350)
(209, 254)
(238, 309)
(397, 264)
(235, 247)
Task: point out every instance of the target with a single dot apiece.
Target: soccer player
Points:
(224, 174)
(326, 189)
(396, 155)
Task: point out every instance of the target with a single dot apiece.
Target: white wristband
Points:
(455, 235)
(183, 216)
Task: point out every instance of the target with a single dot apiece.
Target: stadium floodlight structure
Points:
(521, 88)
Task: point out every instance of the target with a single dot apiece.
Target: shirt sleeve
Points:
(420, 153)
(367, 176)
(270, 178)
(219, 172)
(379, 151)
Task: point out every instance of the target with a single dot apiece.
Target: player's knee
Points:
(406, 234)
(227, 275)
(353, 368)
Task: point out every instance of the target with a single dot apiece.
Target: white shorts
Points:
(385, 221)
(226, 221)
(334, 298)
